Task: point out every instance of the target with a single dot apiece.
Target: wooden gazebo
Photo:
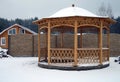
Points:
(74, 20)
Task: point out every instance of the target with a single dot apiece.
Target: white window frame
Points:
(12, 31)
(20, 31)
(3, 38)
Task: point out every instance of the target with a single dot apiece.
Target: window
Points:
(22, 31)
(12, 31)
(3, 41)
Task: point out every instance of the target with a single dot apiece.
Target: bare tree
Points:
(105, 11)
(102, 10)
(109, 11)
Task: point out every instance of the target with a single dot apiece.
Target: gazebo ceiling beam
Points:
(42, 28)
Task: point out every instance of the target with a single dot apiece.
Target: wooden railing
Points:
(84, 55)
(61, 55)
(88, 55)
(105, 55)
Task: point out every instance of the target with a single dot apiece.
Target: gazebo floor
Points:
(70, 67)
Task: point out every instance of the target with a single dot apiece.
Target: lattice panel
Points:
(105, 55)
(87, 56)
(62, 22)
(44, 25)
(106, 23)
(62, 56)
(89, 21)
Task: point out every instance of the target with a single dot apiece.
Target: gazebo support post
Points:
(108, 43)
(100, 43)
(46, 45)
(38, 44)
(49, 34)
(75, 44)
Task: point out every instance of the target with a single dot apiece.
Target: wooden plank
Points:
(61, 49)
(38, 45)
(88, 49)
(49, 42)
(46, 45)
(100, 43)
(75, 44)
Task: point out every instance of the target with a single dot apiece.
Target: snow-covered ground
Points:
(25, 69)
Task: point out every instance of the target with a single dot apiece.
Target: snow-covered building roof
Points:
(73, 11)
(25, 28)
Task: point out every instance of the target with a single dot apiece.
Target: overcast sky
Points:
(24, 9)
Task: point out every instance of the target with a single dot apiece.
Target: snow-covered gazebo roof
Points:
(73, 11)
